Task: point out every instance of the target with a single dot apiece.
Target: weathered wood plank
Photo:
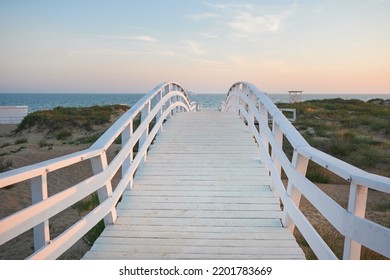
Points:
(172, 231)
(163, 193)
(200, 206)
(194, 249)
(278, 243)
(184, 213)
(128, 199)
(251, 236)
(202, 193)
(186, 256)
(211, 222)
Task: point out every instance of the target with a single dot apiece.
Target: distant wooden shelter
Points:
(295, 95)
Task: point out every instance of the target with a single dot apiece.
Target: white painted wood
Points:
(300, 164)
(278, 134)
(41, 211)
(356, 206)
(99, 165)
(223, 144)
(144, 114)
(202, 242)
(200, 206)
(199, 189)
(189, 199)
(39, 192)
(356, 230)
(125, 137)
(185, 256)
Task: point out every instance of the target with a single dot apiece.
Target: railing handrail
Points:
(169, 97)
(297, 141)
(251, 104)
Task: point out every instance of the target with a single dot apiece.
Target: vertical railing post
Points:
(99, 164)
(160, 111)
(300, 164)
(144, 113)
(263, 123)
(357, 206)
(126, 135)
(278, 135)
(252, 98)
(166, 91)
(39, 193)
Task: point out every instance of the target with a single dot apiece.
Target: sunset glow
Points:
(130, 46)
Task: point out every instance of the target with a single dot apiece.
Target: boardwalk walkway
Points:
(201, 194)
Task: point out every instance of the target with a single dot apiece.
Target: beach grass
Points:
(61, 119)
(354, 131)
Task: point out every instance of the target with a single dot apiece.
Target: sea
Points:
(40, 101)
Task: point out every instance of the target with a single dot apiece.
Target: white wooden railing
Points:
(252, 104)
(158, 105)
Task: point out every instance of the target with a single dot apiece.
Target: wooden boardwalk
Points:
(202, 193)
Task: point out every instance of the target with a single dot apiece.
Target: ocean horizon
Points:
(208, 101)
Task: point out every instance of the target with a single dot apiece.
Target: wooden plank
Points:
(217, 187)
(197, 242)
(202, 193)
(184, 213)
(93, 255)
(174, 235)
(200, 222)
(194, 249)
(172, 231)
(128, 199)
(199, 206)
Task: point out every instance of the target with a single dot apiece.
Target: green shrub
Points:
(63, 134)
(382, 207)
(20, 141)
(5, 145)
(70, 117)
(317, 177)
(4, 165)
(89, 139)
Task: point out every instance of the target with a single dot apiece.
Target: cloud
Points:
(237, 6)
(249, 24)
(194, 47)
(202, 16)
(101, 52)
(209, 35)
(139, 38)
(145, 38)
(248, 20)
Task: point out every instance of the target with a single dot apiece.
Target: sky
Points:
(118, 46)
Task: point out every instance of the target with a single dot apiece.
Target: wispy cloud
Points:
(202, 16)
(145, 38)
(209, 35)
(248, 24)
(194, 47)
(248, 20)
(101, 52)
(140, 38)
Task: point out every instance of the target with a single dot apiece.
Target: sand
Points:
(18, 197)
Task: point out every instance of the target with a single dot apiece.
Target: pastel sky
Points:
(130, 46)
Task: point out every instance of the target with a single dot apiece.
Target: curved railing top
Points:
(343, 169)
(254, 105)
(110, 135)
(152, 110)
